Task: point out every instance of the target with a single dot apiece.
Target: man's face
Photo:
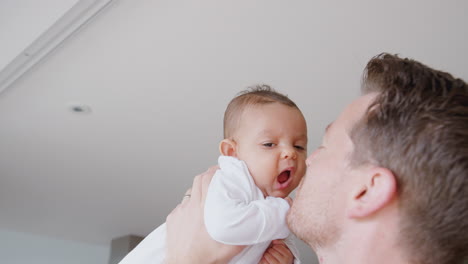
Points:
(318, 211)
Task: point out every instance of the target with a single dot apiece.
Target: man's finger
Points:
(280, 250)
(269, 258)
(187, 195)
(207, 176)
(195, 195)
(278, 242)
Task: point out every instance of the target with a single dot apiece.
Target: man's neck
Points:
(366, 242)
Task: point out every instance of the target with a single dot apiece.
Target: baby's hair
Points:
(255, 95)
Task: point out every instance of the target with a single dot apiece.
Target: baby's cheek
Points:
(299, 178)
(296, 183)
(302, 171)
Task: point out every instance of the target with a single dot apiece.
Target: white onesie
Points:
(236, 213)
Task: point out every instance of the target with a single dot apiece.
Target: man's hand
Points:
(187, 238)
(277, 253)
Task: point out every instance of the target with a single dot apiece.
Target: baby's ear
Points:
(227, 147)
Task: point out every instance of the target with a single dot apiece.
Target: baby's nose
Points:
(289, 153)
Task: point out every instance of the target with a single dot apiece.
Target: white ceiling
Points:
(158, 76)
(23, 21)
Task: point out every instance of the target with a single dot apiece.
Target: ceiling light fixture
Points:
(80, 108)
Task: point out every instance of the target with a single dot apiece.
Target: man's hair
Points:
(255, 95)
(418, 128)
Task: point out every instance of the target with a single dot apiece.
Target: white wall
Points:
(23, 248)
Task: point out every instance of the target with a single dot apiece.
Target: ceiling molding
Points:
(81, 13)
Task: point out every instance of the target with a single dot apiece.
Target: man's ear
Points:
(378, 187)
(228, 147)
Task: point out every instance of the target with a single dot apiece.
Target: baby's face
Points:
(272, 140)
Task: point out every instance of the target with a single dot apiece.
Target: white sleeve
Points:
(236, 212)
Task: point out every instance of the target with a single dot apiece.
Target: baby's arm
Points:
(242, 223)
(236, 212)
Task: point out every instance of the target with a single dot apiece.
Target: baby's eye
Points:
(268, 145)
(299, 147)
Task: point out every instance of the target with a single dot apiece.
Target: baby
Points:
(263, 160)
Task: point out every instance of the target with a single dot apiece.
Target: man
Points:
(389, 184)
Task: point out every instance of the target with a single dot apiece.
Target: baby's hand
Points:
(277, 253)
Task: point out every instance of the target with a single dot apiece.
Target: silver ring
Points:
(187, 196)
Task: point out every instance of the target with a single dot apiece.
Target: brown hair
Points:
(418, 128)
(256, 95)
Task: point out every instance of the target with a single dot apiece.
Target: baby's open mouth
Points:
(284, 176)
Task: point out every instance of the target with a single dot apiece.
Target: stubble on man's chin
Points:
(317, 232)
(297, 225)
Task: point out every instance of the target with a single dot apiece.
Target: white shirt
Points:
(236, 213)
